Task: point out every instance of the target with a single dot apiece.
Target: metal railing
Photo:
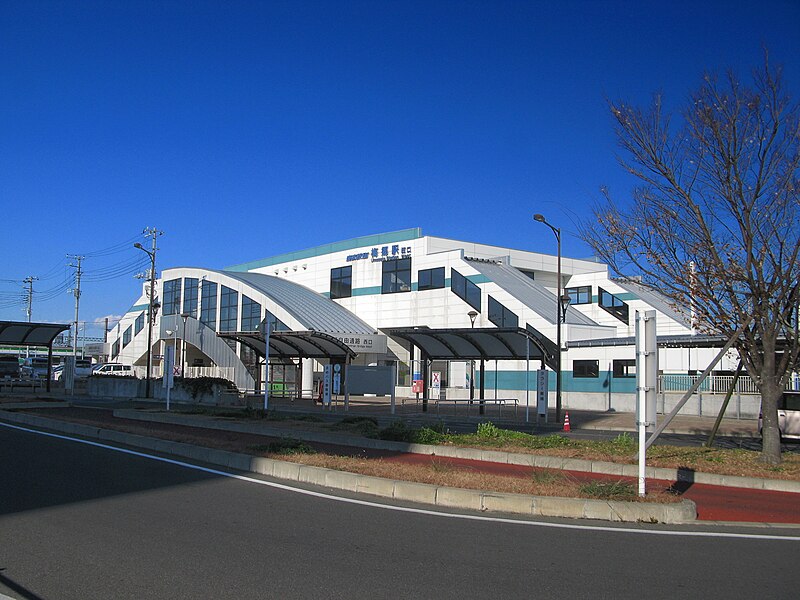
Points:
(713, 384)
(191, 372)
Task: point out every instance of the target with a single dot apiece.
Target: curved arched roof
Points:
(314, 311)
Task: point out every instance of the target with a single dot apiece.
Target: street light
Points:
(472, 316)
(151, 310)
(184, 316)
(561, 311)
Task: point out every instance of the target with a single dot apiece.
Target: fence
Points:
(191, 372)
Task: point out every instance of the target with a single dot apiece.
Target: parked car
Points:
(83, 368)
(9, 366)
(113, 369)
(788, 416)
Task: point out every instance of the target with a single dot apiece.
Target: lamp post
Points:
(184, 316)
(472, 316)
(560, 313)
(150, 310)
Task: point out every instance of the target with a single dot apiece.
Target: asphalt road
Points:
(80, 521)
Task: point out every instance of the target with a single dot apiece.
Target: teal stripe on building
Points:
(515, 380)
(359, 242)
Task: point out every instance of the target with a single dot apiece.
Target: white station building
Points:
(363, 300)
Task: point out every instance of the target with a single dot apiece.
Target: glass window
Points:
(465, 289)
(115, 349)
(249, 356)
(612, 305)
(139, 324)
(579, 295)
(625, 367)
(342, 282)
(275, 323)
(228, 309)
(500, 315)
(251, 314)
(208, 305)
(190, 296)
(430, 279)
(396, 276)
(126, 337)
(585, 368)
(172, 297)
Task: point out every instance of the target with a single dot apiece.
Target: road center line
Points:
(420, 511)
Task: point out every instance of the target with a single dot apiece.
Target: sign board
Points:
(169, 363)
(363, 342)
(326, 385)
(542, 381)
(96, 349)
(417, 386)
(436, 383)
(337, 383)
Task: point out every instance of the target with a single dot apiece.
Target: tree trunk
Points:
(771, 392)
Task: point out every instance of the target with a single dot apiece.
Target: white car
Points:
(788, 416)
(83, 368)
(113, 369)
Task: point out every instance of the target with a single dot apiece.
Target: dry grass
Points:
(539, 482)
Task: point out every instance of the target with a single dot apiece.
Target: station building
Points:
(358, 294)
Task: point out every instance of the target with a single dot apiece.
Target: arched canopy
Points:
(22, 333)
(293, 344)
(488, 343)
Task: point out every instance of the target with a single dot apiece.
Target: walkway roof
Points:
(22, 333)
(488, 343)
(293, 344)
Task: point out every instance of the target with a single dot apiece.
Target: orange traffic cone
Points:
(566, 421)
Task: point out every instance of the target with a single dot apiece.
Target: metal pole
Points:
(266, 362)
(558, 330)
(183, 347)
(640, 400)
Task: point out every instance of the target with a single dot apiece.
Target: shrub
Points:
(398, 431)
(285, 446)
(605, 490)
(429, 435)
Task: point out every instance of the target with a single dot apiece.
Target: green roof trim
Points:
(359, 242)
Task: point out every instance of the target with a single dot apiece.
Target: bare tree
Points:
(714, 224)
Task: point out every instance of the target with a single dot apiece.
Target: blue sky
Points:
(248, 129)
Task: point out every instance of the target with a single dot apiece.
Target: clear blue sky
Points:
(248, 129)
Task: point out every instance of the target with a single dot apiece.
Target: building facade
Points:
(358, 290)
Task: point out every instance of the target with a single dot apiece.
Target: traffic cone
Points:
(566, 421)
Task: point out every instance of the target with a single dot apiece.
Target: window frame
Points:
(624, 368)
(190, 296)
(208, 304)
(172, 296)
(617, 307)
(434, 279)
(465, 289)
(575, 293)
(341, 284)
(585, 369)
(127, 336)
(391, 282)
(507, 318)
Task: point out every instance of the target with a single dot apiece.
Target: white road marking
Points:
(420, 511)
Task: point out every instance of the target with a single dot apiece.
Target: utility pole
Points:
(153, 233)
(77, 293)
(29, 280)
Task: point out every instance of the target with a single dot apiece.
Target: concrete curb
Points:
(532, 460)
(521, 504)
